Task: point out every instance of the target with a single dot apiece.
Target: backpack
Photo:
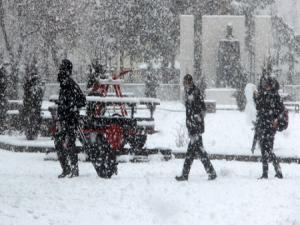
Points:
(283, 120)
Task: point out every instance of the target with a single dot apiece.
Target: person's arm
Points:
(257, 97)
(200, 102)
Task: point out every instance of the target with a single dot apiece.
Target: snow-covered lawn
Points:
(145, 193)
(227, 132)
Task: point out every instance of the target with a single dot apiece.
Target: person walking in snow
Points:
(195, 112)
(269, 108)
(70, 100)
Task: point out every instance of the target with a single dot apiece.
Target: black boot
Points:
(279, 175)
(277, 167)
(265, 168)
(65, 167)
(74, 163)
(212, 176)
(62, 158)
(65, 173)
(264, 176)
(181, 178)
(74, 171)
(186, 169)
(278, 172)
(208, 166)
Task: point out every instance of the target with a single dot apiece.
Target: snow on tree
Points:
(287, 48)
(32, 101)
(3, 97)
(110, 30)
(151, 84)
(240, 83)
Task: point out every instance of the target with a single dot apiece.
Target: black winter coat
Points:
(195, 110)
(70, 100)
(269, 107)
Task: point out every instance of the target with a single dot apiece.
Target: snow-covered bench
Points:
(15, 104)
(210, 106)
(294, 105)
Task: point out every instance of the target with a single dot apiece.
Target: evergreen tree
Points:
(240, 84)
(32, 101)
(286, 46)
(3, 99)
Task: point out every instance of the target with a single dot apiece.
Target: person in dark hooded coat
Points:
(70, 100)
(195, 111)
(269, 108)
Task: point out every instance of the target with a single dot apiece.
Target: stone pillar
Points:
(186, 47)
(263, 42)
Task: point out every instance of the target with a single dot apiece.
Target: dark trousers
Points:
(65, 146)
(195, 148)
(266, 143)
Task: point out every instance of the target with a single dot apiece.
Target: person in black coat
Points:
(70, 100)
(195, 112)
(269, 108)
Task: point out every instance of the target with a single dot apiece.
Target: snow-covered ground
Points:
(145, 193)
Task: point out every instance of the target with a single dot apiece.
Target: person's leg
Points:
(276, 165)
(205, 160)
(190, 154)
(264, 146)
(73, 154)
(62, 153)
(273, 157)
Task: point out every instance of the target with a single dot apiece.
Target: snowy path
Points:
(145, 193)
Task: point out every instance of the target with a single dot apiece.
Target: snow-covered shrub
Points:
(32, 102)
(3, 99)
(181, 137)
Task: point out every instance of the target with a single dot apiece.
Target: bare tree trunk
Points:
(4, 32)
(54, 56)
(13, 77)
(45, 67)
